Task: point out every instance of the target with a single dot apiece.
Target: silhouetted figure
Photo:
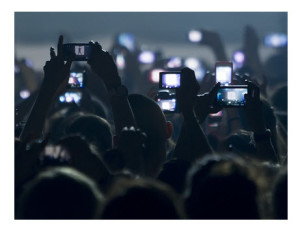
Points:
(60, 193)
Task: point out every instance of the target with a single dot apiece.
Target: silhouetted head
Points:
(141, 199)
(219, 187)
(174, 173)
(60, 193)
(151, 120)
(94, 129)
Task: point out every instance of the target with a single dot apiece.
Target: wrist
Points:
(262, 135)
(118, 91)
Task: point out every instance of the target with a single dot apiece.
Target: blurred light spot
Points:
(276, 40)
(24, 93)
(174, 62)
(154, 75)
(195, 36)
(146, 57)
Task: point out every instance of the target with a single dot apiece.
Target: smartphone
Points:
(166, 101)
(224, 72)
(81, 51)
(70, 97)
(231, 96)
(77, 80)
(169, 80)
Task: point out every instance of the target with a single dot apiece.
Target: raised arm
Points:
(255, 118)
(192, 143)
(103, 65)
(213, 40)
(56, 73)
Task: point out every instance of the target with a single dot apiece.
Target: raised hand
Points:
(56, 75)
(255, 118)
(253, 108)
(192, 142)
(186, 94)
(213, 40)
(56, 71)
(103, 65)
(205, 104)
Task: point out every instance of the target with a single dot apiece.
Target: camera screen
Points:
(81, 51)
(75, 80)
(231, 96)
(223, 74)
(70, 97)
(167, 105)
(169, 80)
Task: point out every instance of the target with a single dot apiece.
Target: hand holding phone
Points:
(103, 65)
(56, 71)
(205, 104)
(169, 80)
(186, 93)
(231, 96)
(254, 108)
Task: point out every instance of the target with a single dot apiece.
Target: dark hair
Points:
(143, 199)
(60, 193)
(95, 130)
(149, 118)
(174, 174)
(219, 187)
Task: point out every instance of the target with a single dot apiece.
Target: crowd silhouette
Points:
(111, 152)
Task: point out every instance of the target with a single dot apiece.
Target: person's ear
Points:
(169, 128)
(115, 141)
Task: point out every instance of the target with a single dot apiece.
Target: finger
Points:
(46, 64)
(98, 45)
(52, 53)
(213, 93)
(215, 109)
(246, 97)
(60, 47)
(256, 92)
(250, 88)
(68, 65)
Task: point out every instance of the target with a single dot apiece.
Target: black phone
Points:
(231, 96)
(224, 72)
(166, 101)
(169, 80)
(77, 51)
(77, 80)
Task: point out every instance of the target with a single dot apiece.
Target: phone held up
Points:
(77, 51)
(166, 101)
(224, 72)
(77, 80)
(231, 96)
(169, 80)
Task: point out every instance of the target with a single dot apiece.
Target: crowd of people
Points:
(114, 153)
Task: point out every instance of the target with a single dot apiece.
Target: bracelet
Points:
(258, 137)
